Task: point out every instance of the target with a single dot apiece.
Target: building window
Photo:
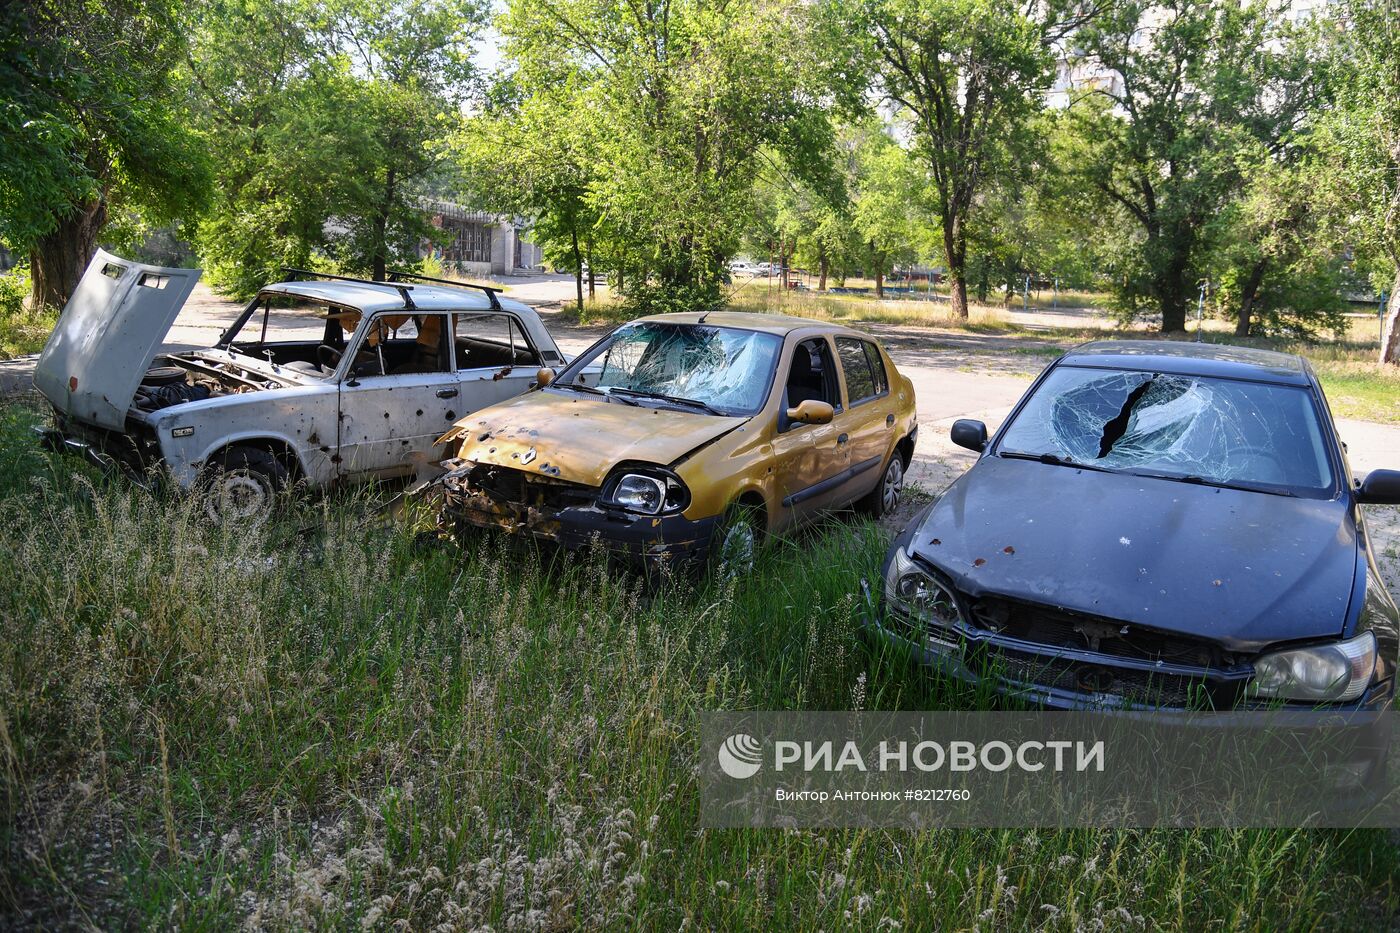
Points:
(471, 241)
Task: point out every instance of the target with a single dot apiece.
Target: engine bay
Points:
(174, 380)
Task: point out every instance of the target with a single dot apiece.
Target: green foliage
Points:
(91, 122)
(326, 121)
(24, 327)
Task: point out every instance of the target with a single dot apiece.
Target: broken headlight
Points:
(646, 493)
(913, 591)
(1335, 673)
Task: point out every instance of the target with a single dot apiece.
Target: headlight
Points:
(1335, 673)
(915, 592)
(639, 493)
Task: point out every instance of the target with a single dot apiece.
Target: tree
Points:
(326, 119)
(1361, 139)
(680, 98)
(91, 120)
(971, 72)
(1184, 85)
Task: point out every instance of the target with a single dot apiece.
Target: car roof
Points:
(372, 296)
(779, 324)
(1191, 359)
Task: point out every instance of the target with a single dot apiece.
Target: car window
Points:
(877, 367)
(855, 365)
(398, 344)
(1227, 431)
(812, 375)
(728, 369)
(492, 339)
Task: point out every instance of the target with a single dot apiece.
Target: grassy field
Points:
(329, 723)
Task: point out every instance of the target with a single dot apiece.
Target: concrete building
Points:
(481, 243)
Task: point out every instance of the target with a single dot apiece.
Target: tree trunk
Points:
(1248, 295)
(59, 257)
(1172, 295)
(381, 227)
(578, 267)
(879, 277)
(955, 250)
(1390, 334)
(823, 262)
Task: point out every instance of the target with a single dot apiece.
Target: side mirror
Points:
(812, 412)
(970, 434)
(1380, 487)
(544, 377)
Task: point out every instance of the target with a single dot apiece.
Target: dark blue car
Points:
(1156, 525)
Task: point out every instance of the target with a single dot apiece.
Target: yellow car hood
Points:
(580, 438)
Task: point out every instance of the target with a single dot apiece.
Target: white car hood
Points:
(107, 336)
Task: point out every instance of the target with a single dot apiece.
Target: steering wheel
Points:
(324, 351)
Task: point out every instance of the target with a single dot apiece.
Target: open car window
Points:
(1224, 431)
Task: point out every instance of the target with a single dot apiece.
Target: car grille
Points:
(1045, 625)
(518, 487)
(1130, 685)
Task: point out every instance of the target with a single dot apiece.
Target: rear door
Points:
(496, 360)
(108, 335)
(868, 421)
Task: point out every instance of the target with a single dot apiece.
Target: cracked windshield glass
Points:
(720, 369)
(1213, 431)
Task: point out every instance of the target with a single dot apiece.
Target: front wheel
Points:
(884, 498)
(735, 542)
(242, 486)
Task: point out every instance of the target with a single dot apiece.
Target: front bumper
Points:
(108, 451)
(644, 539)
(974, 658)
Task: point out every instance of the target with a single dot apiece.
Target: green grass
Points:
(24, 330)
(328, 723)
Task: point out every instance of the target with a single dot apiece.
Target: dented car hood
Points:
(107, 336)
(580, 438)
(1244, 569)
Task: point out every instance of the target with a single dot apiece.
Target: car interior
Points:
(811, 376)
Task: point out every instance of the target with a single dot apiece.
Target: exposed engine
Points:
(167, 384)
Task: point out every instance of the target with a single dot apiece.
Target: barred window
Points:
(471, 242)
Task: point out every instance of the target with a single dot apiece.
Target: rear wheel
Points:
(735, 541)
(242, 485)
(884, 498)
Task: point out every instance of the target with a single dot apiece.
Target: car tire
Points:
(884, 498)
(734, 544)
(242, 485)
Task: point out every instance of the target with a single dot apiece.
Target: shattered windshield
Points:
(722, 369)
(1196, 429)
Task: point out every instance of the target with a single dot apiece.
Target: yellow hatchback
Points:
(685, 436)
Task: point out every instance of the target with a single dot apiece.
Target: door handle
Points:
(843, 438)
(446, 393)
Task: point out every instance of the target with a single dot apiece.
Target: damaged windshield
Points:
(1190, 428)
(720, 370)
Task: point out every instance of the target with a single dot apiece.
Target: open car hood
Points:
(580, 438)
(107, 336)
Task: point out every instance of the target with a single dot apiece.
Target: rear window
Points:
(863, 368)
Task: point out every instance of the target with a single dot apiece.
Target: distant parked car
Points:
(742, 267)
(1164, 525)
(698, 435)
(394, 366)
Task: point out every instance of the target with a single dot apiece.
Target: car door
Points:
(496, 360)
(868, 420)
(399, 392)
(810, 459)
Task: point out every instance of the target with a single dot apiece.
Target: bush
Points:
(23, 329)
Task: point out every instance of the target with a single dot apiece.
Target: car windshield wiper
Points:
(1053, 459)
(591, 390)
(1197, 480)
(673, 399)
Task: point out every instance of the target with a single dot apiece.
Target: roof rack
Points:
(491, 291)
(403, 290)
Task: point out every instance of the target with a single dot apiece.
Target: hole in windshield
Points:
(1184, 427)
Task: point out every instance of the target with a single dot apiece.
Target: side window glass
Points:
(859, 384)
(491, 339)
(877, 368)
(812, 375)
